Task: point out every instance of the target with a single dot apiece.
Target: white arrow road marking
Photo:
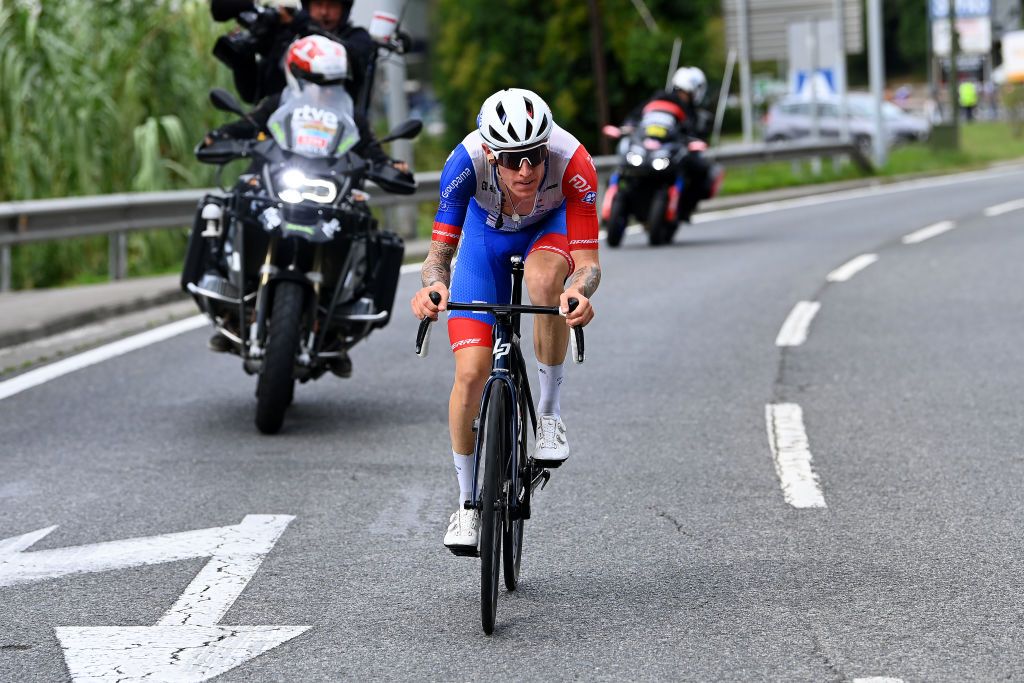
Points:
(255, 534)
(791, 451)
(851, 268)
(165, 653)
(794, 330)
(98, 355)
(1000, 209)
(929, 232)
(186, 644)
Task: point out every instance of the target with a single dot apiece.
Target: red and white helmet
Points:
(316, 59)
(514, 118)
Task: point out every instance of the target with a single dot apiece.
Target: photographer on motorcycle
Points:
(318, 65)
(700, 177)
(256, 55)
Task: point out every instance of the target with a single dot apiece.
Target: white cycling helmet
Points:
(514, 118)
(691, 80)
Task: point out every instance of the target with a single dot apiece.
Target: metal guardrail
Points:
(117, 214)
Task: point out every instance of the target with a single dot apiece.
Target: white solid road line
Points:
(1000, 209)
(44, 374)
(858, 193)
(791, 451)
(927, 233)
(851, 268)
(794, 330)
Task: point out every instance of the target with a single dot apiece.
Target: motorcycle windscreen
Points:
(657, 124)
(316, 122)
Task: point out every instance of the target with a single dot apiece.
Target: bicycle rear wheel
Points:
(493, 512)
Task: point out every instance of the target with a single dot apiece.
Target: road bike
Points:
(506, 474)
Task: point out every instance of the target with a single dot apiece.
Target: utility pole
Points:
(954, 75)
(597, 60)
(876, 69)
(747, 97)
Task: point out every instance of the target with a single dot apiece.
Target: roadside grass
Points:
(981, 143)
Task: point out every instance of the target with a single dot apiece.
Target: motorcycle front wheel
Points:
(656, 225)
(276, 382)
(617, 219)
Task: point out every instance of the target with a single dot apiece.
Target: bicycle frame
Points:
(509, 368)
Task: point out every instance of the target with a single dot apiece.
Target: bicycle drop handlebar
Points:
(423, 334)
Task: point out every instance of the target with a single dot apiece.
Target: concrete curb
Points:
(84, 317)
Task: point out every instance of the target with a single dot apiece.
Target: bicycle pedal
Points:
(548, 464)
(464, 550)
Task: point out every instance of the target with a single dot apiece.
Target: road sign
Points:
(769, 21)
(186, 644)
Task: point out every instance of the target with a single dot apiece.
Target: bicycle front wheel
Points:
(492, 514)
(512, 538)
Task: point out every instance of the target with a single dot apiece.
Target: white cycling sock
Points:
(551, 377)
(464, 470)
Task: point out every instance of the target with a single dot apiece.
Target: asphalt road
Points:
(665, 548)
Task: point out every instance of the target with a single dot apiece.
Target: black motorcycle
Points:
(289, 263)
(646, 183)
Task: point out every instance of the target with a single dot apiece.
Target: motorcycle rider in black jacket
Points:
(256, 61)
(299, 74)
(701, 177)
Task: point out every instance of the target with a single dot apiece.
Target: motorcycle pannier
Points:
(387, 251)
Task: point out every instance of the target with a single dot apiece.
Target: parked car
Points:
(790, 119)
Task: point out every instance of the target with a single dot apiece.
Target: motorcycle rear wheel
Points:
(276, 383)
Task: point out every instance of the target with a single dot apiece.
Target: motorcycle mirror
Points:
(225, 101)
(409, 128)
(614, 132)
(404, 41)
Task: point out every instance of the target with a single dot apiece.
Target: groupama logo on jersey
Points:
(456, 181)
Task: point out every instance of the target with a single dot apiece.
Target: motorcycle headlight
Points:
(660, 164)
(634, 159)
(293, 186)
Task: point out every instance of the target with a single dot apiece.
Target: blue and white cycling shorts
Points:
(483, 271)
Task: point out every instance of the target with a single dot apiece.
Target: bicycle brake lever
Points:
(423, 337)
(576, 338)
(423, 334)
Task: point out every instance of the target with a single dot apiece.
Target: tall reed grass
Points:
(101, 96)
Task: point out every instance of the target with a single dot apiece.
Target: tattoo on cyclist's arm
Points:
(586, 280)
(437, 267)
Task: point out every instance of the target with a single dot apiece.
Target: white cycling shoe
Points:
(552, 447)
(463, 530)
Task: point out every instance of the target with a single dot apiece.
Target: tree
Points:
(484, 46)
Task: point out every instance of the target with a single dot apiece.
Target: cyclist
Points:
(519, 184)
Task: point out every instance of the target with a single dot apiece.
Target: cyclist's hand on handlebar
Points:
(423, 307)
(582, 314)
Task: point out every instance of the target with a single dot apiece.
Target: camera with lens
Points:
(239, 48)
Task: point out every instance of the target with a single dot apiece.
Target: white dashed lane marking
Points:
(929, 232)
(792, 453)
(1000, 209)
(794, 330)
(851, 268)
